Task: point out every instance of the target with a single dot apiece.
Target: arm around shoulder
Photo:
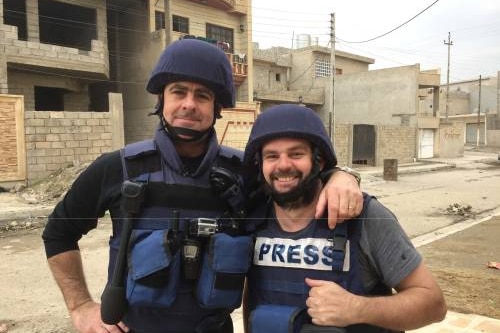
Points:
(341, 196)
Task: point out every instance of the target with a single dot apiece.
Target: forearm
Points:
(67, 270)
(407, 310)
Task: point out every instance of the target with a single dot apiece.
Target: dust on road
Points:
(459, 263)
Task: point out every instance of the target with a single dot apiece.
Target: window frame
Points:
(221, 34)
(180, 24)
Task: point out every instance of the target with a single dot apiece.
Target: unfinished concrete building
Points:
(73, 75)
(67, 55)
(54, 53)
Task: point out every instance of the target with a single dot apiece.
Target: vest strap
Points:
(339, 240)
(182, 197)
(289, 287)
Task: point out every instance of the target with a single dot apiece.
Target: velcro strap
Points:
(228, 281)
(299, 288)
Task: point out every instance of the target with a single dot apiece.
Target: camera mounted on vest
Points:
(206, 227)
(227, 186)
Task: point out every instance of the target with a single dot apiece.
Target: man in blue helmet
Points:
(306, 277)
(178, 253)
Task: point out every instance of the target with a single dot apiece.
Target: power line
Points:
(392, 30)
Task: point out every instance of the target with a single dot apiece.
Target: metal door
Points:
(363, 150)
(471, 133)
(426, 143)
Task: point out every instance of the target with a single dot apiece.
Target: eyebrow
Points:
(291, 149)
(185, 87)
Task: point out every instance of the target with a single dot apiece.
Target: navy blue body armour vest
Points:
(159, 299)
(280, 265)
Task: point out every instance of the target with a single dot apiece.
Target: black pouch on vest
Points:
(223, 271)
(154, 273)
(277, 319)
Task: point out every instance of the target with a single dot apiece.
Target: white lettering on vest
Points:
(307, 253)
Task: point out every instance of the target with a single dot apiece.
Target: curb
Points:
(405, 170)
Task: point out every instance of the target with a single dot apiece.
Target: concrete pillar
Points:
(4, 84)
(390, 169)
(32, 21)
(117, 122)
(101, 22)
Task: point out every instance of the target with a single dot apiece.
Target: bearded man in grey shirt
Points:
(306, 276)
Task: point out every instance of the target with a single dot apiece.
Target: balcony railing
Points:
(219, 4)
(240, 67)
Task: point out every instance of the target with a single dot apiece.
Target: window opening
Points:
(180, 24)
(223, 36)
(49, 99)
(14, 13)
(159, 20)
(67, 25)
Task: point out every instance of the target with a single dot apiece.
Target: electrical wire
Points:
(392, 30)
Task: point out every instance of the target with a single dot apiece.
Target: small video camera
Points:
(203, 227)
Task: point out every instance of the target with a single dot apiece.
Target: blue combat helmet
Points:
(198, 61)
(294, 121)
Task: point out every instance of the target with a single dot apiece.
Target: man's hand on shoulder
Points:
(341, 196)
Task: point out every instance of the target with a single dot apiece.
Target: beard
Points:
(303, 194)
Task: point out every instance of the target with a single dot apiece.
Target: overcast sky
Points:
(474, 26)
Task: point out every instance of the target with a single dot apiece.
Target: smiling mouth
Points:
(285, 178)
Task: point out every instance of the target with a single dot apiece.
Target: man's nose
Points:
(189, 103)
(284, 162)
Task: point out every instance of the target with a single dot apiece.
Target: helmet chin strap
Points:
(181, 134)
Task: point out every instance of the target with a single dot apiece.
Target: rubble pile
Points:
(52, 188)
(457, 209)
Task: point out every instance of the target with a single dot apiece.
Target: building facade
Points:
(64, 62)
(376, 115)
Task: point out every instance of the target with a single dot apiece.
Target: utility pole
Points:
(449, 43)
(331, 114)
(478, 114)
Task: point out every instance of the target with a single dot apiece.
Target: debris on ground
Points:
(26, 224)
(457, 209)
(493, 264)
(52, 188)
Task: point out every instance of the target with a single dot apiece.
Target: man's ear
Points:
(321, 162)
(318, 158)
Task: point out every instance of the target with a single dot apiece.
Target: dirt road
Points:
(31, 302)
(459, 264)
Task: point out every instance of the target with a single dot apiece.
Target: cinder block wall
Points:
(397, 142)
(343, 144)
(55, 140)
